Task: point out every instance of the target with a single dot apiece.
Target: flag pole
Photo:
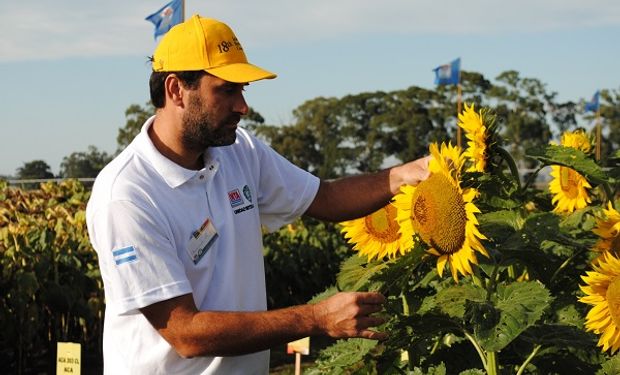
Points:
(458, 111)
(182, 10)
(598, 134)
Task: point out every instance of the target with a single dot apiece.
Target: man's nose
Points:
(241, 106)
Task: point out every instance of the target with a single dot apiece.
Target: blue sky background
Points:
(70, 68)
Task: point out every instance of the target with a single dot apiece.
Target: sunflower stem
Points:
(511, 272)
(491, 363)
(532, 177)
(492, 282)
(528, 359)
(476, 278)
(565, 264)
(483, 358)
(405, 304)
(608, 192)
(435, 346)
(511, 164)
(406, 313)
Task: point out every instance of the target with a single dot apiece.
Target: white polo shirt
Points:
(147, 220)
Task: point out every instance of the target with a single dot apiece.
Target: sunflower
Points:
(608, 229)
(477, 135)
(569, 188)
(577, 139)
(376, 235)
(442, 214)
(602, 291)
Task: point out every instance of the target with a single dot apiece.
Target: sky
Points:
(70, 68)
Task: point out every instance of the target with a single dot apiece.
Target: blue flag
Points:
(594, 104)
(448, 74)
(168, 16)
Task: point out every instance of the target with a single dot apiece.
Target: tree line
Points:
(362, 132)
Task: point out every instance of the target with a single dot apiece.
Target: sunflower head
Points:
(608, 229)
(479, 136)
(375, 235)
(442, 214)
(577, 139)
(569, 188)
(602, 291)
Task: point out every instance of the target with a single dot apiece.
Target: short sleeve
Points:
(285, 190)
(138, 261)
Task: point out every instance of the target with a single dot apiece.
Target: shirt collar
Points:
(172, 173)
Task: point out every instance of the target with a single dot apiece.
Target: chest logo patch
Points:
(234, 196)
(247, 193)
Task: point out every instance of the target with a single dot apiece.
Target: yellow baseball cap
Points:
(206, 44)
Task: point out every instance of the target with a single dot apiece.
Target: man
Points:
(176, 221)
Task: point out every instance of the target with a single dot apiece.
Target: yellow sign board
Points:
(301, 346)
(68, 358)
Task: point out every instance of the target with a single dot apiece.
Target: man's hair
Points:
(189, 79)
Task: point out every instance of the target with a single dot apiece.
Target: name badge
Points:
(201, 241)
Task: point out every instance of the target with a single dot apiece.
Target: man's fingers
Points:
(373, 335)
(370, 298)
(370, 321)
(369, 309)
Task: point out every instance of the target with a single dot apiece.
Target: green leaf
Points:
(611, 367)
(405, 273)
(537, 262)
(473, 371)
(569, 315)
(344, 355)
(558, 335)
(432, 370)
(452, 300)
(355, 273)
(576, 219)
(541, 227)
(520, 305)
(570, 157)
(500, 224)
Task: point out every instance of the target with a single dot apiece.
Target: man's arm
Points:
(356, 196)
(217, 333)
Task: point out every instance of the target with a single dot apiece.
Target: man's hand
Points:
(411, 173)
(349, 314)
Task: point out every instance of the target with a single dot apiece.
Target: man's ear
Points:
(174, 90)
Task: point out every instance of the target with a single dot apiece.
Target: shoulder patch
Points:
(125, 255)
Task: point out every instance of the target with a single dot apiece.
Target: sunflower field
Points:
(51, 285)
(485, 273)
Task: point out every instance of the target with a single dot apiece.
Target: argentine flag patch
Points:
(125, 255)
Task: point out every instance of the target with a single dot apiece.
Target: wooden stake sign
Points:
(299, 347)
(68, 358)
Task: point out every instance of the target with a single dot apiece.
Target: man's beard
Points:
(200, 131)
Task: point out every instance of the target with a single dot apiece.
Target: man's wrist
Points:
(315, 323)
(395, 179)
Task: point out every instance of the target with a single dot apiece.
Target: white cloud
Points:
(40, 29)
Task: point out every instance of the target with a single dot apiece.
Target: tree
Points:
(332, 137)
(34, 169)
(252, 119)
(610, 119)
(522, 104)
(414, 117)
(84, 164)
(136, 116)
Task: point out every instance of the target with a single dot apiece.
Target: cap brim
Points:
(241, 73)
